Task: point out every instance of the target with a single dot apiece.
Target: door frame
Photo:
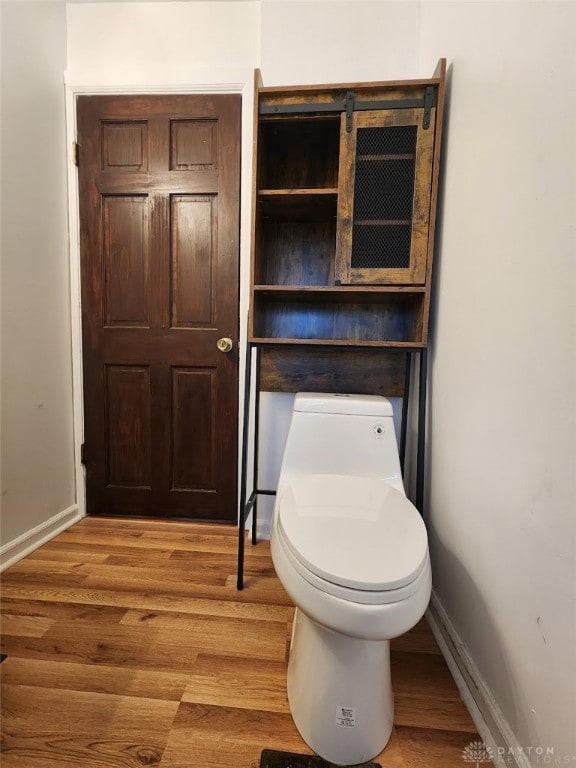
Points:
(245, 89)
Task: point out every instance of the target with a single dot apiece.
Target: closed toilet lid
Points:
(353, 531)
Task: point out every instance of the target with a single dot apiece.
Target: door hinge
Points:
(75, 153)
(83, 453)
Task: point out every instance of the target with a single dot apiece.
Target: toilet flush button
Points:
(379, 430)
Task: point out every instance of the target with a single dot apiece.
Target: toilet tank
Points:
(341, 435)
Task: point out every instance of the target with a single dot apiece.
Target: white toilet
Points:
(352, 553)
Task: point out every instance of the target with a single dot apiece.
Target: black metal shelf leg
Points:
(242, 515)
(405, 406)
(422, 393)
(256, 444)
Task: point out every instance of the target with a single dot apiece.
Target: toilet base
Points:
(339, 692)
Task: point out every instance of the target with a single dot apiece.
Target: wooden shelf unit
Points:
(344, 205)
(343, 224)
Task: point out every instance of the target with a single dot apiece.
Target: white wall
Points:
(37, 444)
(332, 41)
(502, 441)
(155, 43)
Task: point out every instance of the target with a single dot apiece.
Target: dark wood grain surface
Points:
(159, 210)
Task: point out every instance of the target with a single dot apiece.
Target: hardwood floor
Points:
(128, 645)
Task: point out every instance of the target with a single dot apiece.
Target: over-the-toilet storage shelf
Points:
(343, 230)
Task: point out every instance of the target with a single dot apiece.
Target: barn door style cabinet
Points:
(344, 211)
(345, 204)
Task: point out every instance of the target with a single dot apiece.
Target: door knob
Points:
(225, 344)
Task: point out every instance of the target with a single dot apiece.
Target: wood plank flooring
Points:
(128, 645)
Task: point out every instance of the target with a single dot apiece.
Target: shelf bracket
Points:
(349, 110)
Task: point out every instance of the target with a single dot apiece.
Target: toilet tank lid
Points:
(360, 405)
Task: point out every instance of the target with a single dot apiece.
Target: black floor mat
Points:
(272, 759)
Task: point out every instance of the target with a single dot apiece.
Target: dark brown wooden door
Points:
(159, 213)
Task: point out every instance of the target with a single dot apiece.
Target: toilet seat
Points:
(353, 537)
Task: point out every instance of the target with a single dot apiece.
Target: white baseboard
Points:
(262, 526)
(485, 712)
(27, 542)
(263, 530)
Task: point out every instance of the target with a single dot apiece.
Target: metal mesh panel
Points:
(383, 189)
(383, 247)
(393, 140)
(383, 197)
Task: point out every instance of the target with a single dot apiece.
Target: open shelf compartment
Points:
(316, 317)
(299, 153)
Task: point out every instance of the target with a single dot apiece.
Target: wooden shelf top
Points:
(340, 289)
(282, 90)
(437, 78)
(314, 192)
(298, 204)
(337, 343)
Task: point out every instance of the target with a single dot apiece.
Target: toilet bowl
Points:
(352, 553)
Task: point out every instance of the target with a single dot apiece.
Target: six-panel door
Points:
(159, 210)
